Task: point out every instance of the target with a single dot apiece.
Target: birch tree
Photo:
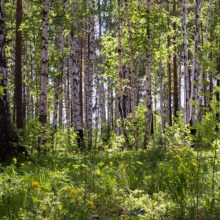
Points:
(58, 82)
(89, 72)
(44, 63)
(149, 114)
(75, 87)
(101, 86)
(43, 108)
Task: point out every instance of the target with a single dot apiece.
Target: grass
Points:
(131, 184)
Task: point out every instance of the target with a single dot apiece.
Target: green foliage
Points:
(116, 142)
(152, 184)
(208, 128)
(177, 135)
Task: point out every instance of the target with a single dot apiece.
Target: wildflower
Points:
(91, 204)
(35, 184)
(73, 192)
(14, 160)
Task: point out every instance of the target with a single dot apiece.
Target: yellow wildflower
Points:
(35, 184)
(14, 160)
(91, 204)
(73, 192)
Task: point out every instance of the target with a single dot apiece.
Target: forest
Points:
(109, 109)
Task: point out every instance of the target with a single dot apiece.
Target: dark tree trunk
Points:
(169, 94)
(18, 68)
(8, 135)
(175, 72)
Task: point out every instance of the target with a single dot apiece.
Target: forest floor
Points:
(146, 184)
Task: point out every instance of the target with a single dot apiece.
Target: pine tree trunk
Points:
(194, 76)
(169, 76)
(175, 69)
(8, 135)
(218, 82)
(206, 74)
(6, 131)
(18, 68)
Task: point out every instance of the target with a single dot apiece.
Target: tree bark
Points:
(44, 63)
(75, 88)
(89, 73)
(58, 80)
(149, 114)
(101, 89)
(185, 59)
(161, 81)
(43, 109)
(194, 76)
(169, 75)
(175, 70)
(133, 77)
(119, 95)
(18, 68)
(8, 136)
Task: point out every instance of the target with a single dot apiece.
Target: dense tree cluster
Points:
(96, 66)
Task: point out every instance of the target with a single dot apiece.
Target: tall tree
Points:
(44, 63)
(58, 82)
(149, 114)
(89, 71)
(75, 87)
(133, 80)
(101, 86)
(194, 75)
(120, 94)
(169, 75)
(5, 123)
(18, 67)
(175, 68)
(43, 108)
(8, 135)
(185, 59)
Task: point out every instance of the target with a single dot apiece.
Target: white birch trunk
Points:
(44, 63)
